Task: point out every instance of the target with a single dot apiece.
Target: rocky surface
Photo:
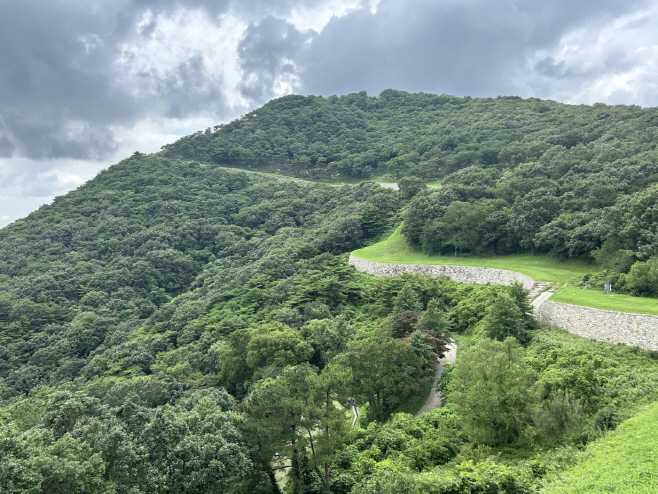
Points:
(464, 274)
(603, 325)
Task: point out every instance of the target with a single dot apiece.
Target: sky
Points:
(85, 83)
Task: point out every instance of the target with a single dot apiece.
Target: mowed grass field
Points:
(396, 250)
(624, 462)
(617, 302)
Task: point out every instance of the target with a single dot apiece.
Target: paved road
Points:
(543, 296)
(434, 399)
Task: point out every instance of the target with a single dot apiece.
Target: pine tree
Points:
(435, 318)
(407, 299)
(504, 319)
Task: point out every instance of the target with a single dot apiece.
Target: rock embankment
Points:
(602, 325)
(463, 274)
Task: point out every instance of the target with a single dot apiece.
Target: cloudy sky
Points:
(85, 83)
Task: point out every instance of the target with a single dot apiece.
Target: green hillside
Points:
(171, 326)
(625, 461)
(517, 175)
(563, 273)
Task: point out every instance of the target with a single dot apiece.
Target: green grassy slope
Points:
(624, 462)
(396, 250)
(618, 302)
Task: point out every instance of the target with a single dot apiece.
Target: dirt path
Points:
(297, 180)
(434, 399)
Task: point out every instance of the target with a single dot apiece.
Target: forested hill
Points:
(172, 327)
(518, 175)
(431, 136)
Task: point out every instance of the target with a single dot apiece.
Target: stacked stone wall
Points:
(463, 274)
(602, 325)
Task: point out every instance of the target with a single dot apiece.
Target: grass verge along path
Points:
(396, 250)
(624, 462)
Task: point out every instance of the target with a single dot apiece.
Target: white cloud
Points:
(318, 15)
(26, 184)
(151, 62)
(614, 62)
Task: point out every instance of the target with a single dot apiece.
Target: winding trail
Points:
(434, 399)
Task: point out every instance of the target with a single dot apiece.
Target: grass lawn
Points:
(395, 250)
(624, 462)
(593, 298)
(540, 267)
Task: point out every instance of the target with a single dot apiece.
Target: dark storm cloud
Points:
(460, 47)
(465, 47)
(6, 147)
(62, 91)
(59, 85)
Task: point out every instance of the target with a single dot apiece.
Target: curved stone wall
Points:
(463, 274)
(602, 325)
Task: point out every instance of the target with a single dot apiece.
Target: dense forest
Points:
(517, 174)
(173, 327)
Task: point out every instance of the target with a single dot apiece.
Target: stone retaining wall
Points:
(463, 274)
(602, 325)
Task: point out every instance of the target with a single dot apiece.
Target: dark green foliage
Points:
(128, 303)
(389, 373)
(405, 322)
(491, 391)
(410, 186)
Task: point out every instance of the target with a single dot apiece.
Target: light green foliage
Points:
(623, 462)
(504, 319)
(490, 388)
(435, 318)
(643, 277)
(248, 350)
(407, 299)
(278, 345)
(408, 443)
(486, 477)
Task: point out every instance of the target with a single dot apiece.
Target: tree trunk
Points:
(275, 485)
(327, 486)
